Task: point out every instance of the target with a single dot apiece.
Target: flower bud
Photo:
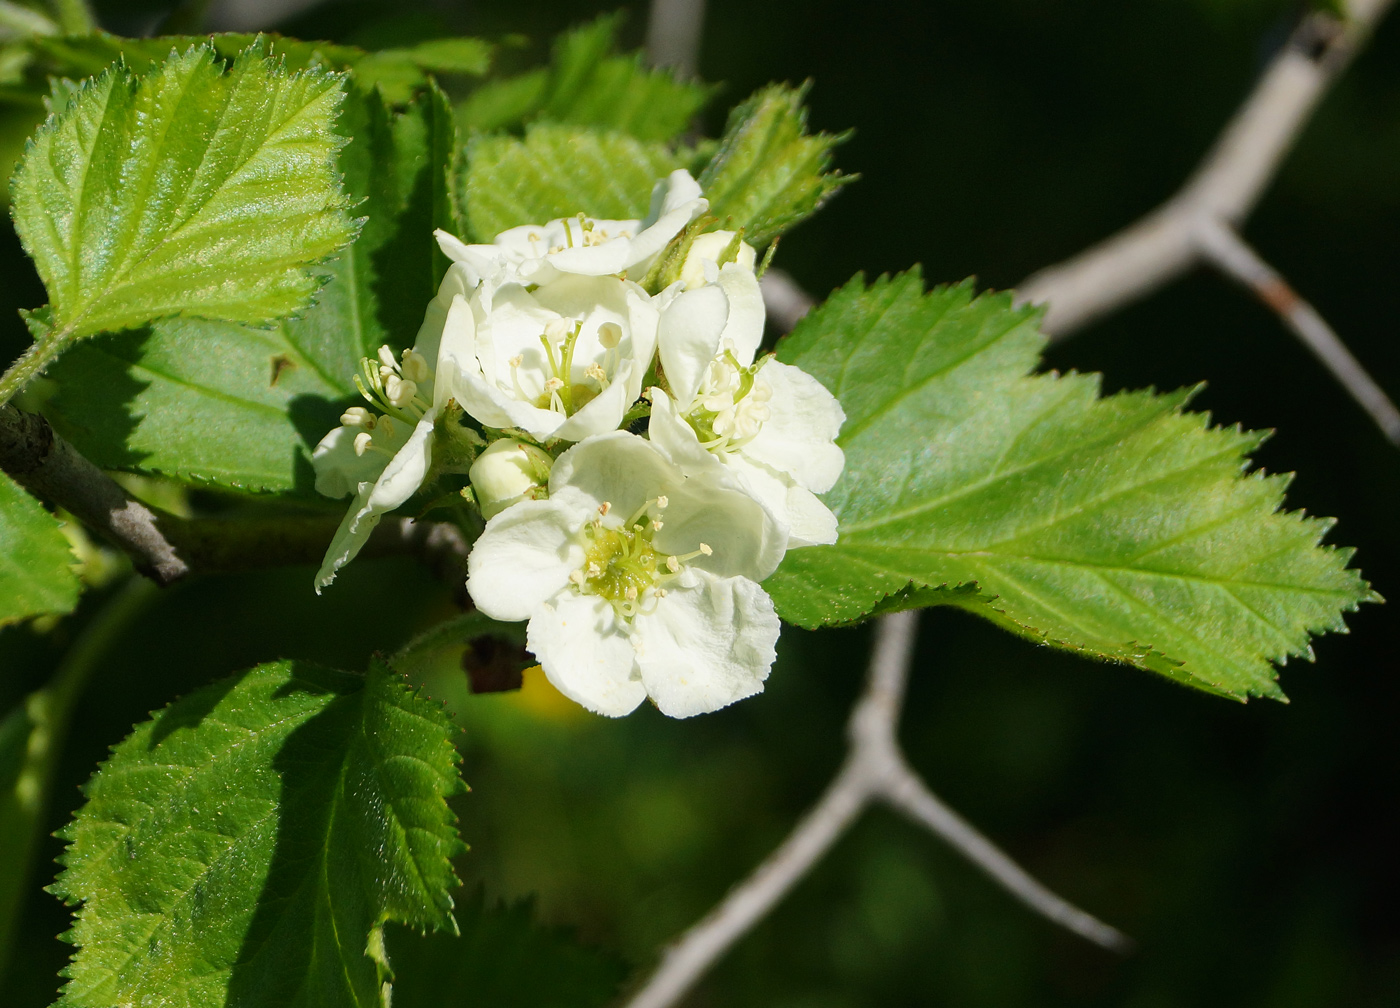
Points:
(708, 248)
(508, 471)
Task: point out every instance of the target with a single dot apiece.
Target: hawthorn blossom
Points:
(637, 580)
(770, 426)
(563, 360)
(381, 455)
(539, 253)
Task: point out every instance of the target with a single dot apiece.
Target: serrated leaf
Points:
(241, 407)
(587, 84)
(35, 572)
(399, 73)
(246, 844)
(769, 173)
(1119, 526)
(502, 959)
(558, 171)
(183, 191)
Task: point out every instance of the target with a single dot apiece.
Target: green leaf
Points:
(769, 173)
(587, 85)
(1119, 526)
(184, 191)
(502, 959)
(35, 562)
(246, 845)
(558, 171)
(241, 407)
(399, 73)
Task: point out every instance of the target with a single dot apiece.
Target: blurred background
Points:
(1251, 850)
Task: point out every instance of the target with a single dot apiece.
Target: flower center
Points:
(561, 393)
(731, 406)
(621, 564)
(391, 386)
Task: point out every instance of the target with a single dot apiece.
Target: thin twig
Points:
(785, 302)
(1227, 185)
(874, 768)
(1226, 250)
(673, 35)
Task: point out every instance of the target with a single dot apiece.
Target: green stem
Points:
(35, 732)
(74, 17)
(32, 363)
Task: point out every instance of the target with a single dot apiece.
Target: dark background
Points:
(1250, 849)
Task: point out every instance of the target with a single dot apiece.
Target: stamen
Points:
(705, 548)
(663, 501)
(609, 335)
(386, 358)
(558, 328)
(673, 565)
(604, 507)
(362, 441)
(358, 416)
(414, 367)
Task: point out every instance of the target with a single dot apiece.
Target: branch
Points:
(785, 302)
(673, 35)
(874, 768)
(1225, 188)
(1224, 249)
(167, 548)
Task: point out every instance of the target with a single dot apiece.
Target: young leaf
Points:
(769, 173)
(502, 959)
(1119, 526)
(587, 85)
(35, 576)
(241, 407)
(246, 845)
(557, 171)
(184, 191)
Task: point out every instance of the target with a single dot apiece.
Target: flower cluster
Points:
(636, 558)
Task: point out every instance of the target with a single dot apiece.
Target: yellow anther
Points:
(604, 507)
(358, 416)
(362, 442)
(673, 565)
(609, 335)
(386, 358)
(705, 548)
(662, 501)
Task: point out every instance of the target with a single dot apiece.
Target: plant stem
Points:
(32, 362)
(35, 731)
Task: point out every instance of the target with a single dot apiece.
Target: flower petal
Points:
(799, 436)
(339, 471)
(743, 330)
(688, 338)
(350, 537)
(619, 468)
(708, 508)
(525, 556)
(705, 646)
(407, 469)
(809, 522)
(603, 412)
(586, 653)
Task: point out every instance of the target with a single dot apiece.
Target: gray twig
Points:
(874, 768)
(673, 35)
(1229, 182)
(1228, 252)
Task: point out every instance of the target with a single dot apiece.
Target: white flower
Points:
(770, 425)
(539, 253)
(701, 264)
(637, 581)
(383, 456)
(565, 360)
(506, 472)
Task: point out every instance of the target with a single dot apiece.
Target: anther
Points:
(630, 594)
(657, 526)
(414, 366)
(596, 372)
(609, 335)
(386, 357)
(553, 385)
(705, 548)
(673, 565)
(516, 361)
(358, 416)
(362, 442)
(662, 501)
(558, 328)
(604, 507)
(386, 425)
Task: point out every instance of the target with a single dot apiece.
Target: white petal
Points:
(603, 413)
(595, 260)
(809, 522)
(745, 537)
(350, 537)
(476, 261)
(620, 468)
(798, 437)
(586, 653)
(744, 328)
(339, 471)
(676, 190)
(454, 350)
(407, 469)
(705, 646)
(677, 438)
(688, 338)
(525, 556)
